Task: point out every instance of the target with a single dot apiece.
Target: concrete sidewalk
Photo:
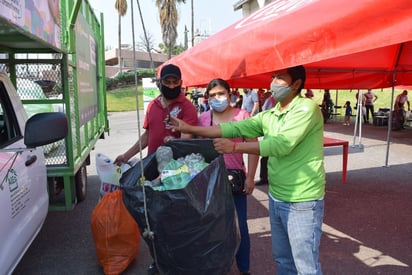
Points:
(367, 225)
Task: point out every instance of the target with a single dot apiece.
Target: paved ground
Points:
(367, 225)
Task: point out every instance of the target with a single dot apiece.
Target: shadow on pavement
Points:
(368, 223)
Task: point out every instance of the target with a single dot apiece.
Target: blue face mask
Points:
(218, 104)
(279, 91)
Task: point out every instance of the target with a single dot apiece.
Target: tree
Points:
(148, 43)
(121, 7)
(177, 49)
(168, 22)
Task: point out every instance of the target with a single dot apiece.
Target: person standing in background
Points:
(261, 93)
(239, 102)
(269, 102)
(370, 98)
(348, 113)
(309, 93)
(234, 96)
(400, 101)
(205, 103)
(327, 106)
(399, 108)
(250, 102)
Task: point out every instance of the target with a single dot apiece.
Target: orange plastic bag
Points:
(115, 233)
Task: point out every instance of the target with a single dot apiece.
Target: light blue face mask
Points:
(279, 91)
(218, 104)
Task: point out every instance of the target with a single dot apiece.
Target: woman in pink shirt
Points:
(218, 94)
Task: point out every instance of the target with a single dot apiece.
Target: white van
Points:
(24, 200)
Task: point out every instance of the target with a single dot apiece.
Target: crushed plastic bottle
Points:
(164, 155)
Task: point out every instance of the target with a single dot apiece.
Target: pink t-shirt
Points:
(369, 98)
(156, 115)
(232, 161)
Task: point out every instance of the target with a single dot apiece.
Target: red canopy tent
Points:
(343, 45)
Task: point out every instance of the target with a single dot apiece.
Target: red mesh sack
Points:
(115, 234)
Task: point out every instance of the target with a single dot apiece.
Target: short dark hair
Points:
(217, 82)
(297, 72)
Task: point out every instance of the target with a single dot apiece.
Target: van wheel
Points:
(81, 183)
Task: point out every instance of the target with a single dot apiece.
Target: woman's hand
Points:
(249, 186)
(178, 125)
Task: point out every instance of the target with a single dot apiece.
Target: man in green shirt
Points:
(293, 141)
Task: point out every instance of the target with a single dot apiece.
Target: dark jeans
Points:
(264, 168)
(369, 108)
(243, 253)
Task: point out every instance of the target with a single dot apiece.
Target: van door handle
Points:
(30, 160)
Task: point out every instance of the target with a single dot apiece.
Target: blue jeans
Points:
(369, 109)
(296, 231)
(243, 253)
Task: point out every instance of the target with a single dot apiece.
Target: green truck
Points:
(53, 52)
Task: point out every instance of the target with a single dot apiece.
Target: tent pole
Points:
(358, 122)
(355, 130)
(336, 101)
(388, 138)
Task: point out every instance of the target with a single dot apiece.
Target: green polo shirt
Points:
(293, 141)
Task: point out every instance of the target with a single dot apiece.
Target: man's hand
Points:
(223, 145)
(167, 138)
(120, 159)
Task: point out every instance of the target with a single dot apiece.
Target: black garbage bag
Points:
(195, 228)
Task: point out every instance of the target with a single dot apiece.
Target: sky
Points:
(210, 16)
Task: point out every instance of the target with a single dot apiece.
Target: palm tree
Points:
(168, 22)
(121, 7)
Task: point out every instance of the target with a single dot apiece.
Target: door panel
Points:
(23, 188)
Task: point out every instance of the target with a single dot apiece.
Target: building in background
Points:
(249, 6)
(142, 60)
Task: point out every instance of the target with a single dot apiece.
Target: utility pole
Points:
(193, 24)
(186, 39)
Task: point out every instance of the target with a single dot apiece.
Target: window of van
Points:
(9, 129)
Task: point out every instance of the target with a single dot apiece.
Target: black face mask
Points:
(170, 93)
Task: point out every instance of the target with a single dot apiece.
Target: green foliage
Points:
(124, 99)
(111, 83)
(177, 49)
(128, 78)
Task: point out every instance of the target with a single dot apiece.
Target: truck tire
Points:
(81, 183)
